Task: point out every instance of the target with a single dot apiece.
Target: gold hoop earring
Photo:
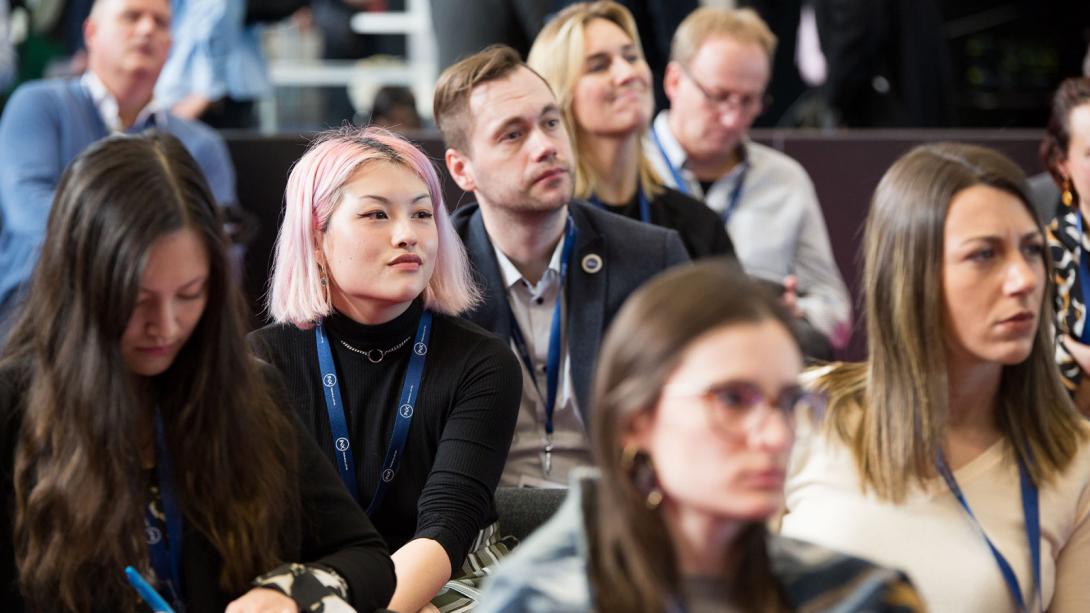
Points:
(1066, 196)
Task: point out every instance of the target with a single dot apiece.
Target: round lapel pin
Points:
(592, 263)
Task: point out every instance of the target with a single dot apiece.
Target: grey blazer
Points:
(629, 253)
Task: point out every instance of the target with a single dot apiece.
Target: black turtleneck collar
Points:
(380, 335)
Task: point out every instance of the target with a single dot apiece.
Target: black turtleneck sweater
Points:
(700, 228)
(461, 429)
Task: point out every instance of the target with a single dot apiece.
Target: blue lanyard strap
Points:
(1084, 278)
(645, 205)
(1031, 513)
(338, 424)
(552, 367)
(679, 181)
(735, 195)
(683, 187)
(166, 553)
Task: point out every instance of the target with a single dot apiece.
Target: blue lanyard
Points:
(1084, 279)
(679, 181)
(552, 367)
(683, 187)
(735, 195)
(645, 206)
(338, 424)
(166, 553)
(1031, 513)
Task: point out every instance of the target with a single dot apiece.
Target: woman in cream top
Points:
(960, 374)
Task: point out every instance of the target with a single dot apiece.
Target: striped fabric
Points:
(462, 593)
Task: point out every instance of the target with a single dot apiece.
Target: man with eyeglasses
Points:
(719, 68)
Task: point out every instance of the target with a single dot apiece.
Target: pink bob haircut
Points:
(314, 190)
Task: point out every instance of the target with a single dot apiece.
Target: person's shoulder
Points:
(36, 96)
(684, 206)
(471, 341)
(763, 158)
(469, 333)
(611, 225)
(811, 573)
(193, 130)
(274, 338)
(461, 216)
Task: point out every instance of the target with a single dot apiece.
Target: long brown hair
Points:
(892, 409)
(632, 559)
(80, 493)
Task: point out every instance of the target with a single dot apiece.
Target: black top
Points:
(461, 429)
(327, 529)
(699, 227)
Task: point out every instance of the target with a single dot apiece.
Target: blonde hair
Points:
(743, 25)
(892, 410)
(557, 55)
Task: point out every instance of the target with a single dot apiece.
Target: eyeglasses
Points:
(740, 408)
(745, 104)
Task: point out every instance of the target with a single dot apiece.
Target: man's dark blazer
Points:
(630, 253)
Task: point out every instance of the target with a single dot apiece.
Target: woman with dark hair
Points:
(953, 451)
(414, 406)
(696, 401)
(138, 430)
(1065, 152)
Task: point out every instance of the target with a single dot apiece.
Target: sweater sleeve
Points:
(30, 161)
(472, 449)
(674, 252)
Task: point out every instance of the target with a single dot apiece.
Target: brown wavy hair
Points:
(80, 490)
(1072, 93)
(633, 566)
(891, 410)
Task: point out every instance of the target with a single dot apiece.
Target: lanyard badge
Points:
(552, 367)
(338, 422)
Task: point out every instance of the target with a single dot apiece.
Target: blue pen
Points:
(148, 593)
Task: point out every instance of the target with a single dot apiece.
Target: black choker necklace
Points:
(370, 353)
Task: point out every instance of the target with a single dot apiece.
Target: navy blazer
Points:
(631, 253)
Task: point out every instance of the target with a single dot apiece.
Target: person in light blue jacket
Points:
(48, 123)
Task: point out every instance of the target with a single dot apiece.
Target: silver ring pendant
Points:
(381, 354)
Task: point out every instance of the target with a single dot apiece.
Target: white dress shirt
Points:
(532, 306)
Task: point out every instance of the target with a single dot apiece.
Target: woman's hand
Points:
(263, 600)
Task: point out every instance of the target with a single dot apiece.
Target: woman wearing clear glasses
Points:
(695, 405)
(590, 55)
(954, 452)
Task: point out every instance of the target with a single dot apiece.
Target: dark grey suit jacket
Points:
(631, 252)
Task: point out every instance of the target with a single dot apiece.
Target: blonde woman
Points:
(590, 55)
(954, 452)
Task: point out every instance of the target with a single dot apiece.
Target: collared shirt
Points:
(777, 226)
(149, 116)
(533, 305)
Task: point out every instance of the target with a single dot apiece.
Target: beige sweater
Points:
(930, 537)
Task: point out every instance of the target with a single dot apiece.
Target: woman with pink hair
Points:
(415, 407)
